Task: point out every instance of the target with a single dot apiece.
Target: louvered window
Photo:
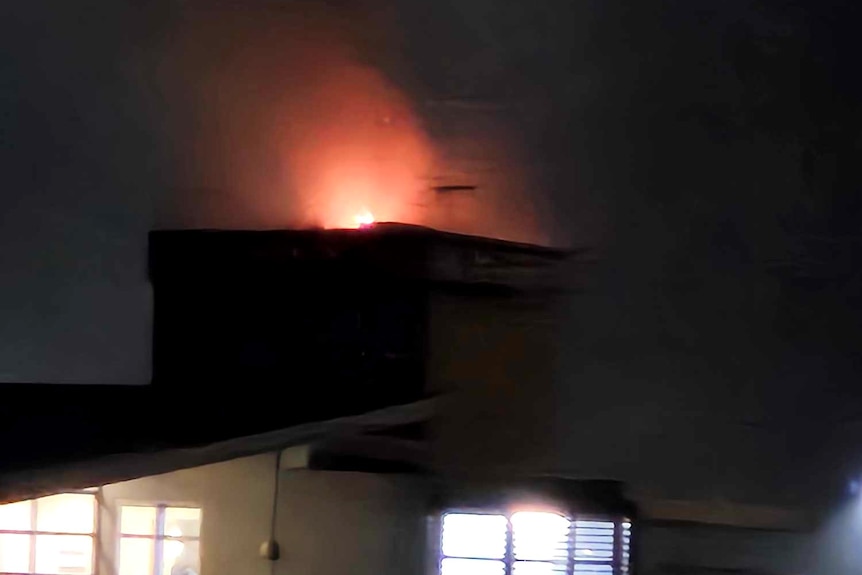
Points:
(626, 557)
(533, 543)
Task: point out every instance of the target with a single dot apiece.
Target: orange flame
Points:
(363, 219)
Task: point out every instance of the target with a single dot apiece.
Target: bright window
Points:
(50, 536)
(532, 543)
(159, 540)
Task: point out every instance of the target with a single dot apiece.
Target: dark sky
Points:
(706, 151)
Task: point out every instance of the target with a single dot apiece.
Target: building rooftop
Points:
(253, 333)
(380, 252)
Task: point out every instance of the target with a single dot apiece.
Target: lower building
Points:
(315, 509)
(385, 402)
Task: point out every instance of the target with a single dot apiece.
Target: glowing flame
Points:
(364, 219)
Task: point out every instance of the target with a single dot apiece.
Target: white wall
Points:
(334, 523)
(328, 523)
(236, 499)
(331, 523)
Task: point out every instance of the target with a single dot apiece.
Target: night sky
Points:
(704, 151)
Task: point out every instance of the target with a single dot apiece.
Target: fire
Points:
(364, 219)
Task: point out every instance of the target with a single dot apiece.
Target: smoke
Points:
(276, 122)
(285, 116)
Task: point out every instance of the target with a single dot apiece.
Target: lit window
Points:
(159, 540)
(626, 557)
(473, 543)
(532, 543)
(50, 536)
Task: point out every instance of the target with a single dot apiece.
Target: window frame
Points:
(507, 555)
(158, 537)
(34, 532)
(622, 535)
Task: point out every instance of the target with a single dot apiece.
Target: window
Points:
(533, 543)
(52, 535)
(159, 540)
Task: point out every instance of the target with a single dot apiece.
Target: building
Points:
(378, 400)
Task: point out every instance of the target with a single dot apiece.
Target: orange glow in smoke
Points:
(364, 219)
(303, 134)
(353, 150)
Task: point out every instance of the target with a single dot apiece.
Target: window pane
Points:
(182, 522)
(136, 556)
(538, 568)
(181, 558)
(14, 553)
(625, 559)
(15, 516)
(64, 554)
(540, 536)
(471, 567)
(587, 568)
(594, 541)
(479, 536)
(66, 513)
(136, 520)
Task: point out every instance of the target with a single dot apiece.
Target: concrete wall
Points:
(328, 523)
(832, 548)
(495, 358)
(332, 523)
(696, 550)
(236, 498)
